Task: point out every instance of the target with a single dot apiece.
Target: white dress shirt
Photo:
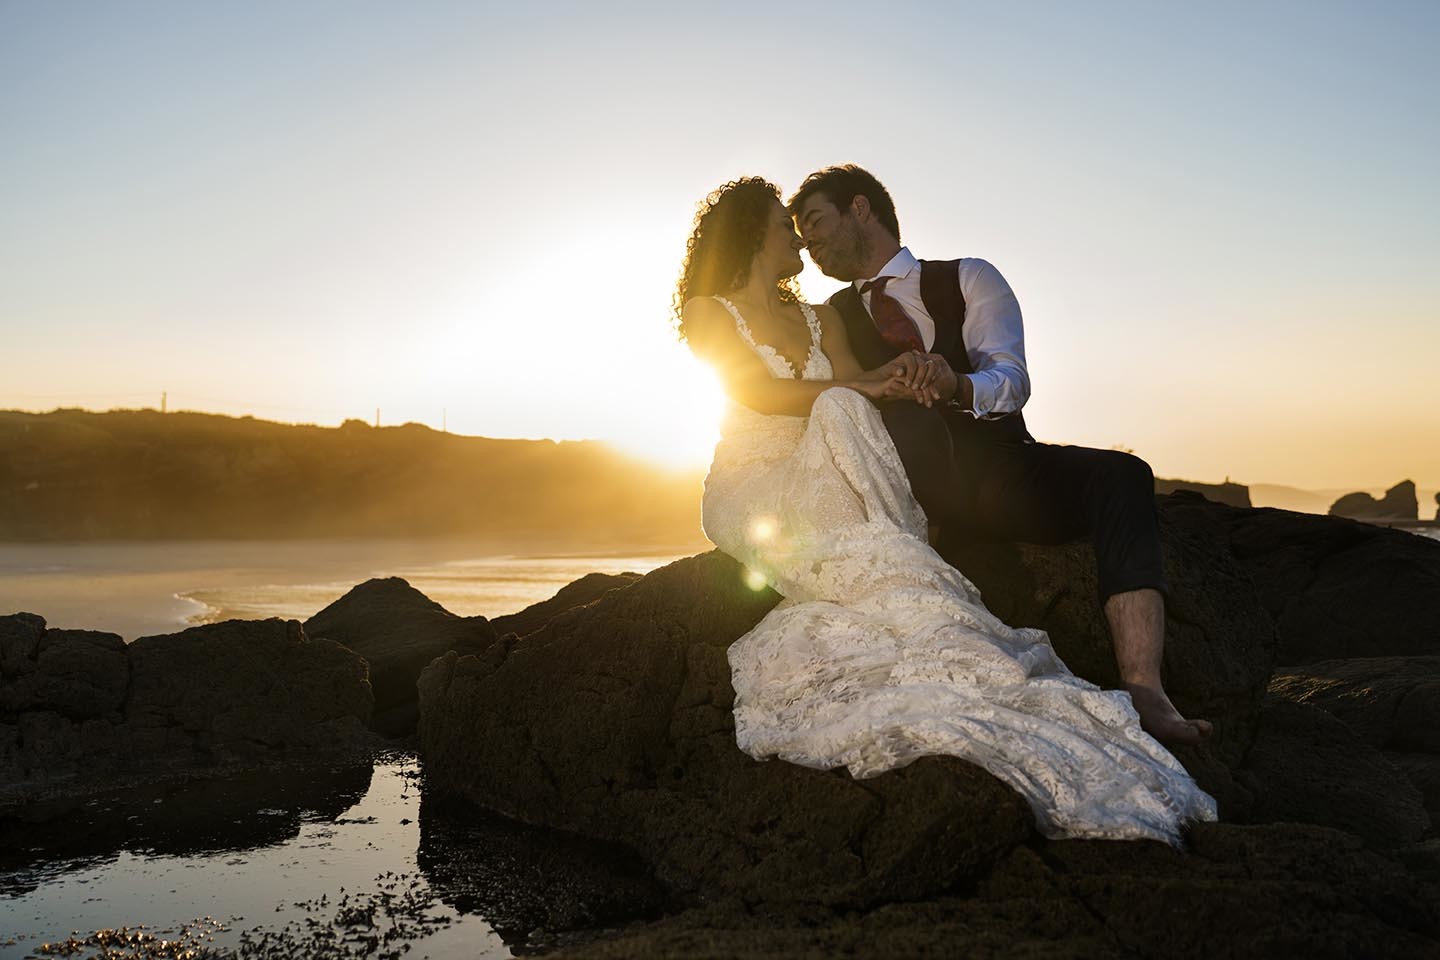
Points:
(993, 334)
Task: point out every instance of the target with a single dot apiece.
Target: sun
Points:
(680, 427)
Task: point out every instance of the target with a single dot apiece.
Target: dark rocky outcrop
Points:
(1308, 767)
(1399, 503)
(398, 631)
(1285, 890)
(76, 673)
(610, 718)
(614, 721)
(79, 708)
(587, 589)
(1338, 588)
(1392, 704)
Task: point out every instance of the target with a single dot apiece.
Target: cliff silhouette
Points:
(1399, 503)
(141, 474)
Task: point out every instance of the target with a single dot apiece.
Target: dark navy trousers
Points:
(974, 485)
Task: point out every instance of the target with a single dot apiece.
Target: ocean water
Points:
(337, 862)
(139, 589)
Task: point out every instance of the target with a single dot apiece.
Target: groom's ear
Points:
(860, 207)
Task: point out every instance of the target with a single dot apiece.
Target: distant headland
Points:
(146, 475)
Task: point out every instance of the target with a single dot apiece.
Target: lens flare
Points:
(763, 529)
(754, 579)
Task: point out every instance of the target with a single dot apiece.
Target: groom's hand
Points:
(926, 378)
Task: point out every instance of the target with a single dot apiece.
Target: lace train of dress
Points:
(881, 652)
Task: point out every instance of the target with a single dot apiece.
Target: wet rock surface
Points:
(536, 888)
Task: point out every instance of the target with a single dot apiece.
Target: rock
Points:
(587, 589)
(397, 630)
(1283, 890)
(1220, 641)
(243, 687)
(80, 711)
(1392, 703)
(1423, 772)
(20, 635)
(1399, 503)
(55, 747)
(1338, 588)
(1308, 767)
(78, 673)
(615, 722)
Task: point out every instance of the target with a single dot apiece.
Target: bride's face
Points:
(779, 256)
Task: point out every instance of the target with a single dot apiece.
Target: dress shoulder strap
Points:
(812, 320)
(740, 325)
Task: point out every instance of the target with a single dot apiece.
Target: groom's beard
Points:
(844, 258)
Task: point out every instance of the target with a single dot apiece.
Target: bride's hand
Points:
(880, 389)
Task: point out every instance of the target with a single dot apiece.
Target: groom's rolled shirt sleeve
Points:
(994, 341)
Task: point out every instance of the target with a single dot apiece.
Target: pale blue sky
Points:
(1222, 220)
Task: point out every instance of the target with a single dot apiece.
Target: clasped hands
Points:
(925, 378)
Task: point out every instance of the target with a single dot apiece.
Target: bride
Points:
(880, 652)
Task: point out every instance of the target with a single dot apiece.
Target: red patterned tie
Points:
(891, 319)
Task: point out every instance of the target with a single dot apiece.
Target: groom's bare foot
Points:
(1160, 719)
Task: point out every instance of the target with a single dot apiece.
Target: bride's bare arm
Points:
(711, 332)
(902, 382)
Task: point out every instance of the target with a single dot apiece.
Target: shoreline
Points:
(144, 588)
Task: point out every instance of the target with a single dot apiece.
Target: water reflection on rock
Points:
(536, 888)
(186, 818)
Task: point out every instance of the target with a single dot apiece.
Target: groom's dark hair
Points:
(844, 183)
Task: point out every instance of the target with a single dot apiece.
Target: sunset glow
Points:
(472, 217)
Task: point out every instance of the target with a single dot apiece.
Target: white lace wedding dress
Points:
(881, 652)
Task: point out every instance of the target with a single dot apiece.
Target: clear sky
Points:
(1222, 220)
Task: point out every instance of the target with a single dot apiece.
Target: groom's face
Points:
(833, 236)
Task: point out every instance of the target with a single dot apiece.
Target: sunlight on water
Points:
(138, 589)
(335, 860)
(490, 587)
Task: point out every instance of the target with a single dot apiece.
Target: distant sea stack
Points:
(1233, 494)
(1399, 503)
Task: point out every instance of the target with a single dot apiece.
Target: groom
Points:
(952, 330)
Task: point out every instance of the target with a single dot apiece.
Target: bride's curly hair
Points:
(730, 227)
